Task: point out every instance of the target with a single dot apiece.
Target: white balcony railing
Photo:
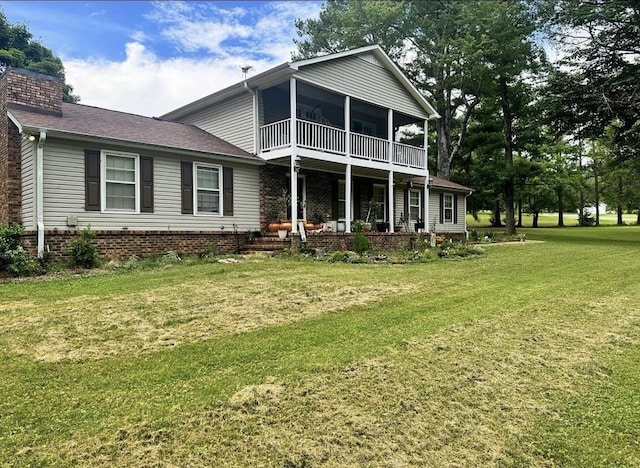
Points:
(368, 147)
(328, 139)
(320, 137)
(275, 135)
(407, 155)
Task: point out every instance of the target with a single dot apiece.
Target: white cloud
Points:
(220, 41)
(143, 84)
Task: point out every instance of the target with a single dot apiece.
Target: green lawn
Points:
(529, 356)
(551, 219)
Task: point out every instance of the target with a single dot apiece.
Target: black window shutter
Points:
(441, 208)
(422, 206)
(357, 199)
(92, 180)
(455, 209)
(186, 186)
(227, 191)
(146, 184)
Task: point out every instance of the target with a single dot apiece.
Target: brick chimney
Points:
(26, 90)
(31, 90)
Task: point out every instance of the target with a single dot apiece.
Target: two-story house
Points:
(327, 129)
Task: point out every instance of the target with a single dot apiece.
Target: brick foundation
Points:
(119, 245)
(378, 241)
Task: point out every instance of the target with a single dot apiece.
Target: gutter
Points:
(466, 232)
(39, 191)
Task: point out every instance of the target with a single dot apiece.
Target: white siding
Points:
(434, 214)
(398, 205)
(363, 80)
(28, 185)
(231, 120)
(64, 195)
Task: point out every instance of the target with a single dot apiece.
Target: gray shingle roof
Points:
(91, 121)
(438, 182)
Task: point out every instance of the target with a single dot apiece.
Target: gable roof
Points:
(93, 122)
(440, 183)
(286, 70)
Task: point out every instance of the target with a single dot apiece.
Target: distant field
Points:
(526, 357)
(551, 219)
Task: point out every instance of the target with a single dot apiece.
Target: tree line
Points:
(539, 99)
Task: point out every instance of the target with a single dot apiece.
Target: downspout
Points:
(255, 112)
(39, 191)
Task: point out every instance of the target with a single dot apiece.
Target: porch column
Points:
(391, 219)
(390, 135)
(294, 193)
(347, 126)
(293, 190)
(347, 198)
(425, 209)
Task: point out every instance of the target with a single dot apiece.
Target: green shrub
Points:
(83, 252)
(346, 256)
(360, 242)
(14, 259)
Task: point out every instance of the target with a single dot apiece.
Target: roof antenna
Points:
(245, 69)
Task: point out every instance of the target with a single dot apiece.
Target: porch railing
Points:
(321, 137)
(407, 155)
(368, 147)
(275, 135)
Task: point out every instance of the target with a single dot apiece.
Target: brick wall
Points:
(118, 245)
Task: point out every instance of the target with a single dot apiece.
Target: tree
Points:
(19, 50)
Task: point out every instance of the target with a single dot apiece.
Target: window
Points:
(380, 202)
(207, 193)
(415, 207)
(448, 208)
(120, 186)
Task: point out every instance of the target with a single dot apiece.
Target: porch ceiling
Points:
(309, 164)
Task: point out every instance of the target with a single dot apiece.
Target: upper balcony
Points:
(375, 136)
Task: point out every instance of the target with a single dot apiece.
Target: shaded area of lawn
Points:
(493, 361)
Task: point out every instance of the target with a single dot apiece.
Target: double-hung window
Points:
(208, 189)
(415, 208)
(380, 202)
(448, 208)
(342, 197)
(120, 182)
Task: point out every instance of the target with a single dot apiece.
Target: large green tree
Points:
(18, 49)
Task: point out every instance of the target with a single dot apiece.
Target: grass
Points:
(551, 219)
(526, 357)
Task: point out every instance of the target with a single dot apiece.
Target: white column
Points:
(390, 134)
(294, 194)
(347, 198)
(425, 209)
(390, 202)
(293, 190)
(347, 125)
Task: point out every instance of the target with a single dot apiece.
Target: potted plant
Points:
(284, 200)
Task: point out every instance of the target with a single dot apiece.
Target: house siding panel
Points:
(28, 184)
(64, 195)
(231, 120)
(363, 80)
(434, 214)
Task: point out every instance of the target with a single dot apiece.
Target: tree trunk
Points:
(535, 218)
(496, 215)
(510, 228)
(560, 207)
(597, 196)
(638, 215)
(520, 213)
(619, 207)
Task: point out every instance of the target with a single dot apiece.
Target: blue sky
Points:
(151, 57)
